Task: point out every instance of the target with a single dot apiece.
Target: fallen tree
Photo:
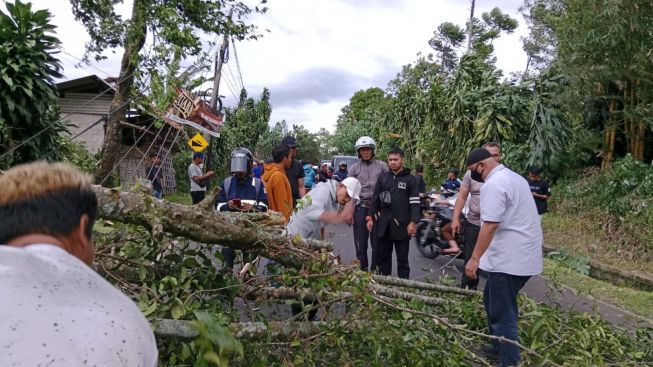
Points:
(169, 266)
(255, 232)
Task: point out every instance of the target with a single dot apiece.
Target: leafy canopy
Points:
(28, 105)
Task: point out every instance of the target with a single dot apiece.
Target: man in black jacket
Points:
(395, 209)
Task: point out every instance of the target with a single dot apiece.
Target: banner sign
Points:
(190, 110)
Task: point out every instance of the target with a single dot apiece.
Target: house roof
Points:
(87, 84)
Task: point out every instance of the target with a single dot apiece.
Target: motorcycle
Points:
(436, 214)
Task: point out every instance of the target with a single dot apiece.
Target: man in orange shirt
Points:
(276, 182)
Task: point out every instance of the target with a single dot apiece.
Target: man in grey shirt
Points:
(196, 178)
(367, 171)
(321, 205)
(473, 220)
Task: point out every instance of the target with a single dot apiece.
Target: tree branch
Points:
(279, 330)
(242, 231)
(386, 280)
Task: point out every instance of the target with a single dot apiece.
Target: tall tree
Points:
(246, 125)
(169, 24)
(29, 121)
(605, 47)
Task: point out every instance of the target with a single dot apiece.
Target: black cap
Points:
(535, 170)
(289, 141)
(477, 155)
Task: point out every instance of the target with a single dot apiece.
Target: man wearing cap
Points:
(296, 172)
(341, 173)
(472, 189)
(197, 178)
(321, 206)
(508, 249)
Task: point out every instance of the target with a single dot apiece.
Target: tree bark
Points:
(256, 232)
(278, 330)
(134, 41)
(395, 293)
(386, 280)
(610, 135)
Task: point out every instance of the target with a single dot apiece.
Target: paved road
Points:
(448, 271)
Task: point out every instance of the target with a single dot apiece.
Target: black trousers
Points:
(361, 236)
(197, 196)
(470, 233)
(385, 245)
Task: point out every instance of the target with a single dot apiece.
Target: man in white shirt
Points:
(509, 246)
(56, 310)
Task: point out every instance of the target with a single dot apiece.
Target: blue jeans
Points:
(158, 194)
(500, 302)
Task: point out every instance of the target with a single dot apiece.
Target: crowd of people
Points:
(47, 212)
(383, 201)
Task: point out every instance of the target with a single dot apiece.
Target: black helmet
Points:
(241, 161)
(289, 141)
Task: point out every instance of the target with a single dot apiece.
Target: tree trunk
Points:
(258, 232)
(119, 106)
(277, 330)
(610, 134)
(469, 25)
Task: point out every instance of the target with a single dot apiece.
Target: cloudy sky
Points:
(317, 53)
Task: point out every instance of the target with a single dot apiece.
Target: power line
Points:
(101, 119)
(126, 154)
(151, 145)
(233, 78)
(82, 62)
(240, 74)
(50, 126)
(231, 88)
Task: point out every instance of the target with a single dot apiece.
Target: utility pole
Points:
(469, 26)
(220, 59)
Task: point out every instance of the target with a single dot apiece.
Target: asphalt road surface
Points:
(447, 270)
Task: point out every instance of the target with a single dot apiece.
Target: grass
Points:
(179, 198)
(636, 301)
(584, 232)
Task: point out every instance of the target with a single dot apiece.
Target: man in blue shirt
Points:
(240, 192)
(452, 184)
(341, 173)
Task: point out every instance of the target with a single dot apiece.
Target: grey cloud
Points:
(322, 85)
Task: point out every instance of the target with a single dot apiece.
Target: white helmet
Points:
(365, 142)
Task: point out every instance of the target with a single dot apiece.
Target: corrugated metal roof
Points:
(87, 84)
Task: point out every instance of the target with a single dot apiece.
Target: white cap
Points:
(353, 187)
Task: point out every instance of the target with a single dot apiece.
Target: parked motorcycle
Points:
(435, 215)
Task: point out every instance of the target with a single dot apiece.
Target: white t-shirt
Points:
(516, 248)
(195, 170)
(57, 311)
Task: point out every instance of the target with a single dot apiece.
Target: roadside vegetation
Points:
(605, 215)
(580, 110)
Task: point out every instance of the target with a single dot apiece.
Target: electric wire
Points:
(127, 153)
(240, 74)
(82, 62)
(61, 119)
(233, 78)
(231, 88)
(133, 178)
(101, 119)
